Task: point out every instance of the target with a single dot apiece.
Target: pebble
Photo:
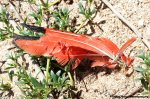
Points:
(141, 23)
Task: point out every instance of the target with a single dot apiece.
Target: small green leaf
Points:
(144, 83)
(35, 82)
(81, 9)
(61, 19)
(53, 76)
(58, 73)
(140, 69)
(11, 74)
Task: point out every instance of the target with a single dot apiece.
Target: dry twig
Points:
(135, 91)
(129, 24)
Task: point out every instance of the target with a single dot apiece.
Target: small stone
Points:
(141, 23)
(129, 72)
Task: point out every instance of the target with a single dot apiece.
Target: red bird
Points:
(71, 47)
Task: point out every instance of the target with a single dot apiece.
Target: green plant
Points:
(47, 5)
(14, 58)
(52, 85)
(59, 81)
(32, 88)
(87, 12)
(61, 19)
(8, 83)
(5, 87)
(7, 31)
(38, 16)
(145, 72)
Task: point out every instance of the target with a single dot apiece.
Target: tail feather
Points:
(34, 28)
(124, 46)
(66, 46)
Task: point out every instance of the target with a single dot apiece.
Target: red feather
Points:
(66, 46)
(105, 46)
(124, 46)
(86, 42)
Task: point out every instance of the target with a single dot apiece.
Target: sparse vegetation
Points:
(7, 31)
(55, 82)
(58, 81)
(145, 72)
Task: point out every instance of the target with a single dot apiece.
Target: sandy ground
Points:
(104, 24)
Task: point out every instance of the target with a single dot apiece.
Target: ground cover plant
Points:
(145, 72)
(56, 42)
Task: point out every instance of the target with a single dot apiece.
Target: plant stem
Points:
(43, 3)
(47, 69)
(53, 3)
(81, 25)
(71, 80)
